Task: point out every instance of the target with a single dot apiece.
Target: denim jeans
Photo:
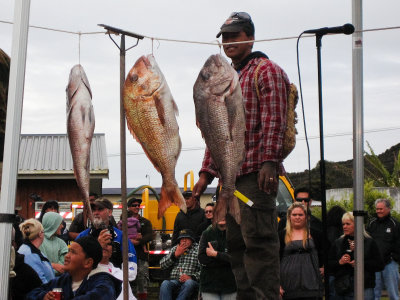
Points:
(184, 290)
(388, 278)
(254, 244)
(218, 296)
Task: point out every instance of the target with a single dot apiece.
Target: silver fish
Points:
(220, 116)
(80, 128)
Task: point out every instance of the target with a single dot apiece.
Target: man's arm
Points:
(169, 259)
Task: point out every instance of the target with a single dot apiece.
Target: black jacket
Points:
(372, 260)
(191, 220)
(386, 233)
(216, 274)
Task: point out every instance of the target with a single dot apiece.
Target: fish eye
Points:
(205, 75)
(134, 77)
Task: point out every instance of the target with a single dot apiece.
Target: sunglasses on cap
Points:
(303, 199)
(240, 16)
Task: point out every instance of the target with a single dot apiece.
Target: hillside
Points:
(339, 174)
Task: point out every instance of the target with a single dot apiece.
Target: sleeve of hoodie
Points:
(40, 292)
(101, 287)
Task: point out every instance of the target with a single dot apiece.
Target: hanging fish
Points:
(150, 113)
(80, 128)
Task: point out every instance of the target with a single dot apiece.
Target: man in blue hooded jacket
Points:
(82, 278)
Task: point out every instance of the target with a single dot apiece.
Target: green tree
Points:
(380, 174)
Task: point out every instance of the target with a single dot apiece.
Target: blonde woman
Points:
(341, 261)
(299, 251)
(33, 234)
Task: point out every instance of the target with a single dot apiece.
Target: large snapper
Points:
(150, 113)
(220, 116)
(80, 128)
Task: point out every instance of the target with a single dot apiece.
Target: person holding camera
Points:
(341, 261)
(106, 234)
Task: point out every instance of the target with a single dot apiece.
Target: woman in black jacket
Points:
(216, 278)
(341, 261)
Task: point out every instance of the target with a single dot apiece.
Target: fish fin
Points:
(160, 108)
(175, 107)
(170, 193)
(234, 209)
(221, 207)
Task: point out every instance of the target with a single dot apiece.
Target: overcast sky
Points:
(52, 54)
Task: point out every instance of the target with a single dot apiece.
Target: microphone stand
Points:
(318, 38)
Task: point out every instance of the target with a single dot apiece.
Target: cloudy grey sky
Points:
(52, 54)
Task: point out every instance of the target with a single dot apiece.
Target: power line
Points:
(332, 135)
(216, 43)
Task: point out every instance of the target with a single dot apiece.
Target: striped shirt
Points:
(265, 117)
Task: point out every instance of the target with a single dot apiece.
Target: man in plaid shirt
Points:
(185, 268)
(254, 244)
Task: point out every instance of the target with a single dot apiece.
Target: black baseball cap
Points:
(187, 194)
(237, 22)
(134, 200)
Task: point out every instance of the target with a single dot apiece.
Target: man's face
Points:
(185, 242)
(237, 51)
(102, 214)
(190, 202)
(381, 210)
(209, 212)
(135, 207)
(304, 198)
(75, 259)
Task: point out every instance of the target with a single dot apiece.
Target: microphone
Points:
(346, 29)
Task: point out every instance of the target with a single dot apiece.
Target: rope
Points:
(217, 43)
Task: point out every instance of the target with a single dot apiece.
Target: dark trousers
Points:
(254, 244)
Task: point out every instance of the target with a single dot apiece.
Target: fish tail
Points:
(221, 208)
(170, 193)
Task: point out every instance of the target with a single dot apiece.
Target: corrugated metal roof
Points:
(50, 154)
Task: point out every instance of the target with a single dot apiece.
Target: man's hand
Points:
(181, 249)
(201, 184)
(104, 238)
(210, 250)
(345, 259)
(184, 278)
(49, 296)
(268, 177)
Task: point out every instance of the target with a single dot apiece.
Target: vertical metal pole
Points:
(358, 148)
(318, 38)
(125, 284)
(12, 134)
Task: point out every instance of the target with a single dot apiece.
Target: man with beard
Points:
(254, 244)
(103, 230)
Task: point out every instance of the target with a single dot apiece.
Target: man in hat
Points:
(192, 219)
(185, 272)
(254, 244)
(81, 277)
(140, 242)
(106, 233)
(78, 224)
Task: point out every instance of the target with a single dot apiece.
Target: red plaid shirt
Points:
(265, 117)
